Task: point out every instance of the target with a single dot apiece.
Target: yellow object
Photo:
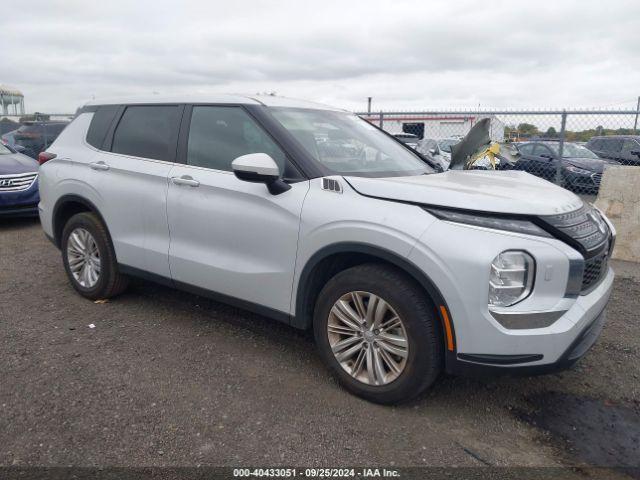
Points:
(491, 152)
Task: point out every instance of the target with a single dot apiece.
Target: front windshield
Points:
(571, 150)
(349, 145)
(4, 150)
(445, 145)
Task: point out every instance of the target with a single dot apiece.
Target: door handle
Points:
(185, 180)
(99, 166)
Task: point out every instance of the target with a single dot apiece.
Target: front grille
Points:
(589, 231)
(594, 269)
(17, 182)
(584, 226)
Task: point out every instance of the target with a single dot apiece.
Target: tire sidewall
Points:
(421, 359)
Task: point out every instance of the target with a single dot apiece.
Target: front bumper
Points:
(483, 343)
(20, 203)
(583, 183)
(19, 211)
(576, 350)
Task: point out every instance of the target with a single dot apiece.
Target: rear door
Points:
(131, 177)
(229, 236)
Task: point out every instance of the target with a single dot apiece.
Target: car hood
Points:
(15, 163)
(594, 164)
(509, 192)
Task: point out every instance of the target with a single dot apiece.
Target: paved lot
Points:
(168, 378)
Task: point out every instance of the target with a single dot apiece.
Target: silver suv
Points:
(314, 217)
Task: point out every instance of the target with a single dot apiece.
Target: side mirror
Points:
(547, 156)
(635, 152)
(432, 151)
(260, 168)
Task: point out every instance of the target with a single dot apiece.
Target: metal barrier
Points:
(568, 147)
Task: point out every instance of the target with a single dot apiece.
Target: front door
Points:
(229, 236)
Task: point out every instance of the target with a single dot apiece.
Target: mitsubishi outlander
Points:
(313, 216)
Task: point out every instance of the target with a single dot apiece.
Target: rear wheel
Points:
(377, 331)
(89, 258)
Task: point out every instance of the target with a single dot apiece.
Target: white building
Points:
(436, 126)
(11, 101)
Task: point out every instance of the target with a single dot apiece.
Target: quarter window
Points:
(100, 124)
(148, 131)
(219, 135)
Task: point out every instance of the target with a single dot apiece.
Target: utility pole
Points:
(369, 105)
(635, 124)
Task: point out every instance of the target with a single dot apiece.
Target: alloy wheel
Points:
(83, 257)
(368, 338)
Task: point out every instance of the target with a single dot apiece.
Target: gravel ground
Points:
(168, 378)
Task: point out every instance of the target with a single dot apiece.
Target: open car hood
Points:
(510, 192)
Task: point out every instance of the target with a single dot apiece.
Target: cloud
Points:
(404, 54)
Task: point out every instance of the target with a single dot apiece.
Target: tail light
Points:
(44, 157)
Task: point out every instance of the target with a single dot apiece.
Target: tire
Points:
(425, 348)
(109, 281)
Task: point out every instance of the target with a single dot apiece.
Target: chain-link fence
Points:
(31, 134)
(569, 148)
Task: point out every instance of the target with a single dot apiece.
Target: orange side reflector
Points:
(447, 327)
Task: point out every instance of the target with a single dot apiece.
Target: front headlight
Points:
(578, 170)
(511, 278)
(488, 221)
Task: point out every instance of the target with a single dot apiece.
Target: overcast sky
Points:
(422, 54)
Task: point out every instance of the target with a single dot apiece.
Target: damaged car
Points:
(401, 271)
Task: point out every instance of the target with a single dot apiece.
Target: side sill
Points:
(218, 297)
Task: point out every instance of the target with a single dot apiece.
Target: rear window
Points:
(56, 128)
(30, 129)
(100, 124)
(148, 131)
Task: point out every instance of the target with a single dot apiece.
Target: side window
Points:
(630, 146)
(543, 150)
(148, 131)
(219, 135)
(613, 145)
(526, 149)
(100, 124)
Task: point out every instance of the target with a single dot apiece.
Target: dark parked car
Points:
(35, 137)
(18, 184)
(580, 168)
(624, 149)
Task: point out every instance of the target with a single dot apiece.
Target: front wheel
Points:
(378, 333)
